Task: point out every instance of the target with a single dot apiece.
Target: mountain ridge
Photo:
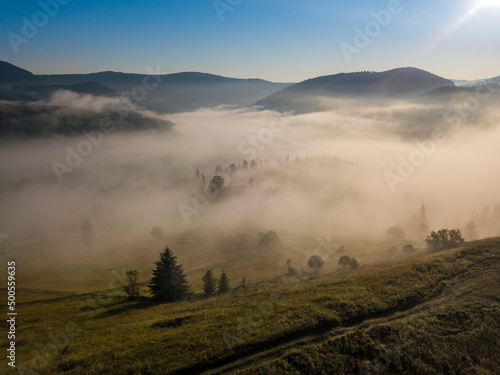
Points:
(399, 82)
(166, 93)
(187, 91)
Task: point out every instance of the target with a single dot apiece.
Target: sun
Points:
(483, 4)
(488, 3)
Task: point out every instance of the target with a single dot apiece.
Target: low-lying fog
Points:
(357, 170)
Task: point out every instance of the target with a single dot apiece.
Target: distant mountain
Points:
(478, 82)
(462, 82)
(495, 81)
(11, 74)
(175, 92)
(308, 95)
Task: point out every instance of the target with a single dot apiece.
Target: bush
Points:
(315, 262)
(344, 261)
(131, 288)
(408, 249)
(444, 239)
(395, 232)
(157, 232)
(354, 264)
(269, 238)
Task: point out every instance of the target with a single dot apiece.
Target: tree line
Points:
(169, 283)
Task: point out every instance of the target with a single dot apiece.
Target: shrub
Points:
(395, 232)
(315, 262)
(444, 239)
(344, 261)
(408, 249)
(269, 238)
(354, 264)
(131, 288)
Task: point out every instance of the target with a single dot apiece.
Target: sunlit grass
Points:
(120, 336)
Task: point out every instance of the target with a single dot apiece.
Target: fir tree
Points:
(209, 283)
(169, 283)
(223, 283)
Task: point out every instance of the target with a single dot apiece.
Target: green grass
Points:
(434, 313)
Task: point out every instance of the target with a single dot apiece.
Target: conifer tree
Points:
(169, 283)
(223, 283)
(209, 283)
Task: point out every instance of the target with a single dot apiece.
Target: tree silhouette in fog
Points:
(223, 286)
(344, 261)
(157, 232)
(209, 283)
(88, 236)
(215, 186)
(470, 232)
(168, 283)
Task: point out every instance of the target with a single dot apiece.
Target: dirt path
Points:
(279, 347)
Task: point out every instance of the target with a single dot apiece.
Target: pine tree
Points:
(209, 283)
(223, 283)
(169, 283)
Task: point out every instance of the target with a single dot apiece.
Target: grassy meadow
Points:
(425, 313)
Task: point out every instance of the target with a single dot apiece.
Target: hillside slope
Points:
(11, 74)
(436, 313)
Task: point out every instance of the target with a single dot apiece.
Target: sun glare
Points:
(488, 3)
(483, 4)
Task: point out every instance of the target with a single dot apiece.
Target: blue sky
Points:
(278, 40)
